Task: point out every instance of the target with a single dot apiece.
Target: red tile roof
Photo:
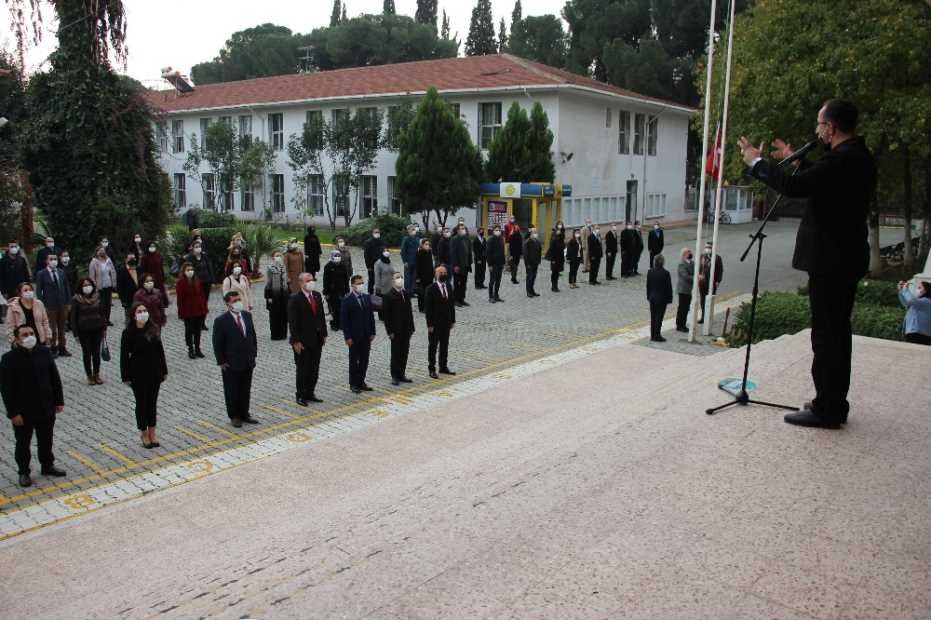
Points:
(449, 74)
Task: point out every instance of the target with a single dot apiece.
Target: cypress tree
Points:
(502, 36)
(388, 8)
(481, 40)
(335, 15)
(426, 12)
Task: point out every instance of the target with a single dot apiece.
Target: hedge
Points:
(788, 313)
(875, 292)
(392, 227)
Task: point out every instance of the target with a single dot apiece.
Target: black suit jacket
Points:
(655, 241)
(398, 313)
(611, 242)
(494, 250)
(594, 246)
(30, 384)
(659, 286)
(306, 326)
(440, 312)
(832, 236)
(230, 346)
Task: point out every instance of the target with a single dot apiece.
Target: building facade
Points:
(624, 154)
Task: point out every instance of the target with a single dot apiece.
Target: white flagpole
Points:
(709, 304)
(703, 181)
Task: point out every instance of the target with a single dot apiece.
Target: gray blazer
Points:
(686, 273)
(384, 276)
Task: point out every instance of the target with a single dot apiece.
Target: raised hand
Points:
(782, 149)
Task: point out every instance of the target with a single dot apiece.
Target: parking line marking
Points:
(193, 434)
(118, 455)
(87, 462)
(218, 429)
(279, 411)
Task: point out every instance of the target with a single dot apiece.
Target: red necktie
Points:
(242, 327)
(313, 303)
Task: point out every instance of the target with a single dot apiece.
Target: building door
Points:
(631, 202)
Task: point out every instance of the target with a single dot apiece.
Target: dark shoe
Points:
(54, 352)
(109, 323)
(405, 380)
(204, 328)
(25, 480)
(446, 371)
(64, 353)
(54, 471)
(148, 446)
(491, 300)
(466, 304)
(301, 402)
(236, 422)
(610, 278)
(395, 382)
(190, 353)
(314, 399)
(682, 329)
(808, 418)
(459, 304)
(433, 375)
(658, 339)
(355, 390)
(250, 420)
(198, 352)
(366, 387)
(498, 300)
(530, 295)
(156, 445)
(809, 405)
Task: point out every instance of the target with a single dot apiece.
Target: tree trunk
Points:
(876, 261)
(909, 255)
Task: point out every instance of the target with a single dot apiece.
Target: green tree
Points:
(438, 167)
(481, 39)
(307, 157)
(502, 36)
(540, 38)
(426, 13)
(261, 51)
(336, 13)
(352, 147)
(13, 190)
(517, 15)
(444, 30)
(594, 23)
(541, 144)
(522, 149)
(388, 7)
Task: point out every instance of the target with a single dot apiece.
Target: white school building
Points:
(624, 154)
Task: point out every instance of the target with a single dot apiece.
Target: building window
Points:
(277, 192)
(652, 133)
(394, 127)
(245, 128)
(489, 122)
(204, 125)
(276, 130)
(371, 137)
(369, 195)
(315, 120)
(341, 194)
(638, 133)
(339, 123)
(177, 136)
(623, 132)
(227, 186)
(227, 120)
(161, 134)
(457, 110)
(608, 118)
(656, 206)
(178, 191)
(209, 186)
(247, 198)
(315, 194)
(394, 200)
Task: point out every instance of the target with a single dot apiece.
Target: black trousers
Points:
(106, 302)
(635, 263)
(460, 281)
(90, 351)
(515, 263)
(531, 277)
(335, 303)
(916, 338)
(206, 288)
(371, 279)
(400, 349)
(626, 261)
(594, 266)
(237, 388)
(308, 371)
(609, 264)
(359, 362)
(494, 282)
(192, 329)
(479, 274)
(657, 311)
(831, 300)
(554, 280)
(574, 270)
(682, 312)
(439, 338)
(278, 317)
(146, 395)
(43, 430)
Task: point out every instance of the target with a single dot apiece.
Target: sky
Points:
(182, 33)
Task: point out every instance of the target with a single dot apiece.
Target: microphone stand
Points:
(743, 398)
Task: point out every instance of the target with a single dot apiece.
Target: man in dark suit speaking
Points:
(235, 347)
(308, 335)
(831, 246)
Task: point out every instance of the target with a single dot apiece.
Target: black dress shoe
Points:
(355, 390)
(314, 399)
(498, 300)
(53, 471)
(250, 420)
(25, 480)
(684, 330)
(446, 371)
(658, 339)
(808, 418)
(64, 353)
(366, 387)
(492, 300)
(301, 402)
(466, 304)
(395, 382)
(405, 380)
(236, 422)
(459, 304)
(809, 405)
(433, 375)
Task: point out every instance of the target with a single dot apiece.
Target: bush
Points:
(874, 292)
(213, 219)
(878, 321)
(393, 228)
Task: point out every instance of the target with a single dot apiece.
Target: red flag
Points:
(713, 165)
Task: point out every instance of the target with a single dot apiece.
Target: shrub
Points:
(213, 219)
(878, 321)
(392, 230)
(875, 292)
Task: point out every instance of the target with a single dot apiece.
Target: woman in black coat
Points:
(312, 251)
(423, 270)
(143, 367)
(574, 256)
(556, 255)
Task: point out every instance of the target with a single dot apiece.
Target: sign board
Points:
(497, 214)
(510, 190)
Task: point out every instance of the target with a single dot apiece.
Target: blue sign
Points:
(566, 190)
(732, 385)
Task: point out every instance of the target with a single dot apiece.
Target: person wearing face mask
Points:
(628, 250)
(656, 241)
(53, 290)
(235, 347)
(346, 255)
(611, 245)
(143, 368)
(128, 281)
(424, 271)
(556, 255)
(372, 252)
(440, 312)
(335, 286)
(384, 275)
(594, 254)
(153, 265)
(102, 271)
(357, 320)
(26, 309)
(659, 295)
(435, 241)
(409, 246)
(515, 250)
(312, 251)
(107, 248)
(294, 265)
(137, 247)
(638, 248)
(71, 270)
(308, 335)
(235, 258)
(533, 255)
(684, 278)
(574, 256)
(14, 270)
(153, 300)
(192, 308)
(478, 252)
(238, 281)
(399, 325)
(460, 261)
(586, 233)
(704, 276)
(32, 395)
(917, 304)
(277, 292)
(42, 255)
(88, 326)
(238, 249)
(443, 248)
(199, 259)
(496, 259)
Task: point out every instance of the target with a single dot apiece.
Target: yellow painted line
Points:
(3, 500)
(280, 411)
(193, 434)
(118, 455)
(87, 462)
(218, 429)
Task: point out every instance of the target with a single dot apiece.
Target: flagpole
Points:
(709, 304)
(702, 180)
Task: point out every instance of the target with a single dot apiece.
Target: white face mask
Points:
(197, 251)
(28, 342)
(104, 243)
(597, 231)
(497, 233)
(189, 273)
(535, 235)
(291, 246)
(357, 288)
(578, 235)
(28, 294)
(337, 259)
(142, 317)
(138, 239)
(310, 286)
(87, 290)
(708, 251)
(376, 235)
(614, 228)
(447, 234)
(341, 243)
(149, 286)
(237, 306)
(14, 250)
(399, 283)
(413, 233)
(65, 260)
(53, 263)
(50, 244)
(151, 248)
(386, 254)
(279, 260)
(237, 271)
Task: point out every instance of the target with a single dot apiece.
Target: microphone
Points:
(799, 154)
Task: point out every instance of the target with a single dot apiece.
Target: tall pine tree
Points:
(502, 37)
(343, 17)
(517, 16)
(481, 40)
(388, 8)
(335, 15)
(444, 31)
(426, 12)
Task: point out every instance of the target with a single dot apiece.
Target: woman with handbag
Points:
(88, 324)
(143, 367)
(192, 308)
(276, 296)
(153, 299)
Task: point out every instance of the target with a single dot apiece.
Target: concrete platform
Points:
(596, 488)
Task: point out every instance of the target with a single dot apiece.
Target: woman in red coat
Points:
(153, 263)
(152, 298)
(192, 308)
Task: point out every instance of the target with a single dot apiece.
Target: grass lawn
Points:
(283, 233)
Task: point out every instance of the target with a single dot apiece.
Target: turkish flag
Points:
(713, 165)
